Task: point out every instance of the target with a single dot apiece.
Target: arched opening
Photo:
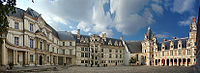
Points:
(184, 60)
(167, 62)
(156, 62)
(175, 62)
(163, 62)
(171, 62)
(179, 62)
(40, 60)
(188, 62)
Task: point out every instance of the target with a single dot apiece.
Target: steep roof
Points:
(20, 14)
(134, 47)
(64, 35)
(167, 43)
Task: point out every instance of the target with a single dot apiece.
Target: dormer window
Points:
(171, 46)
(31, 27)
(16, 25)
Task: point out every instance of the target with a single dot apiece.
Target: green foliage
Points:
(6, 7)
(132, 60)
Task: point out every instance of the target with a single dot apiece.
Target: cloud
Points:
(84, 26)
(74, 31)
(181, 6)
(186, 22)
(131, 15)
(163, 35)
(124, 16)
(157, 8)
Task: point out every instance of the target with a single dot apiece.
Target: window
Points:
(86, 49)
(120, 51)
(171, 46)
(41, 45)
(110, 50)
(179, 52)
(188, 52)
(82, 54)
(70, 52)
(63, 43)
(120, 56)
(101, 50)
(110, 56)
(48, 47)
(179, 45)
(102, 55)
(145, 51)
(48, 59)
(31, 58)
(171, 52)
(16, 25)
(31, 43)
(86, 61)
(53, 49)
(82, 49)
(31, 27)
(116, 56)
(63, 51)
(70, 43)
(16, 40)
(116, 50)
(86, 55)
(82, 61)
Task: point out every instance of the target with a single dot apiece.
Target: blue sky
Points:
(130, 18)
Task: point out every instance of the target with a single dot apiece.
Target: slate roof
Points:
(112, 40)
(64, 35)
(20, 14)
(134, 47)
(167, 43)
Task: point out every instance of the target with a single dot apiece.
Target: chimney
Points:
(121, 37)
(174, 37)
(164, 40)
(78, 34)
(194, 20)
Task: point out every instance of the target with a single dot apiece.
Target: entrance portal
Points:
(40, 60)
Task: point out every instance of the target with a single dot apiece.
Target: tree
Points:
(6, 7)
(132, 60)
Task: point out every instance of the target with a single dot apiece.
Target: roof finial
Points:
(149, 28)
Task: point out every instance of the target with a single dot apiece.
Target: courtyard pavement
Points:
(123, 69)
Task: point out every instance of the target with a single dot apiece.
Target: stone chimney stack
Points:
(78, 34)
(164, 40)
(121, 37)
(104, 36)
(174, 37)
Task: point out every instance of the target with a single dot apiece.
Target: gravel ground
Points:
(124, 69)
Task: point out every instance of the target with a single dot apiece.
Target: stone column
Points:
(14, 57)
(25, 60)
(64, 60)
(186, 62)
(28, 58)
(177, 62)
(181, 62)
(165, 62)
(4, 53)
(173, 62)
(160, 62)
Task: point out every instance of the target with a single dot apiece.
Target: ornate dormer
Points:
(193, 25)
(149, 35)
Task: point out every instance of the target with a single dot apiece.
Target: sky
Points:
(127, 18)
